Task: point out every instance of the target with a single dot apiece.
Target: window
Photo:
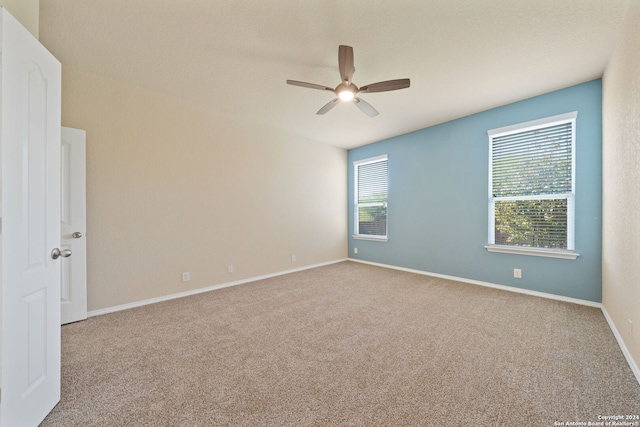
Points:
(532, 186)
(371, 191)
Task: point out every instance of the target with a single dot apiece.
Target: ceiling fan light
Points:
(346, 95)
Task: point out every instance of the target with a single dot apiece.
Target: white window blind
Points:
(371, 195)
(531, 184)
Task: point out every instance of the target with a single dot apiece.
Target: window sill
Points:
(519, 250)
(372, 238)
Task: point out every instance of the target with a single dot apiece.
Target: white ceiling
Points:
(462, 56)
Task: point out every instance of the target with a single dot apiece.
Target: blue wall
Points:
(438, 195)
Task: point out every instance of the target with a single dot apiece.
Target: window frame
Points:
(356, 205)
(569, 252)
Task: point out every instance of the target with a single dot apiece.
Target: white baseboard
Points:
(116, 308)
(623, 347)
(487, 284)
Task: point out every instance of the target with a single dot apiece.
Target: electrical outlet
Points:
(629, 328)
(185, 276)
(355, 250)
(230, 268)
(293, 258)
(517, 273)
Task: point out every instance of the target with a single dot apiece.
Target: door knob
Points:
(76, 235)
(57, 253)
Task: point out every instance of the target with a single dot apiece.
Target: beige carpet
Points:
(346, 345)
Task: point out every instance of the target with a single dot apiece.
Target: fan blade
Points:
(365, 107)
(386, 86)
(345, 63)
(328, 106)
(309, 85)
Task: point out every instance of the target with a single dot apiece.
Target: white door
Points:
(73, 217)
(30, 197)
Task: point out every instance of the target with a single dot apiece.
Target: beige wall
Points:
(25, 11)
(173, 187)
(621, 183)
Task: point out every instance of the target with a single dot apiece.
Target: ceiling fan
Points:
(346, 91)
